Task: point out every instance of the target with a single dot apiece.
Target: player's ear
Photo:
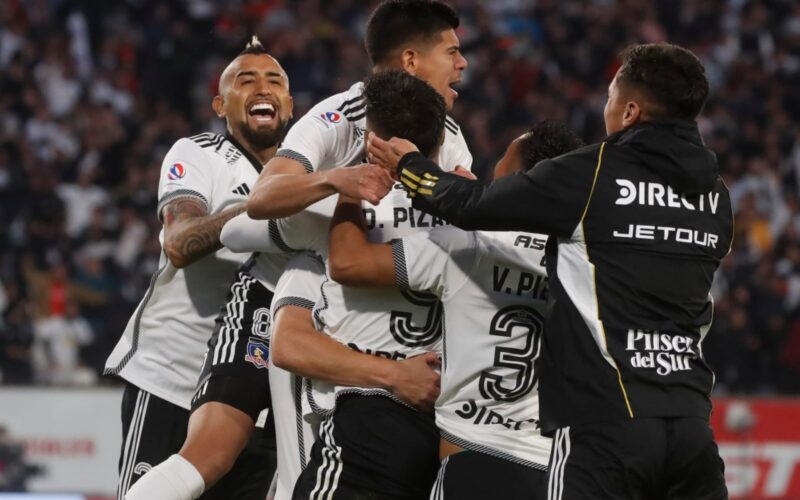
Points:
(409, 60)
(218, 104)
(632, 114)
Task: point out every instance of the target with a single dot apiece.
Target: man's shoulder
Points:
(520, 249)
(588, 152)
(454, 151)
(448, 238)
(199, 147)
(215, 149)
(451, 127)
(206, 140)
(305, 270)
(578, 160)
(344, 108)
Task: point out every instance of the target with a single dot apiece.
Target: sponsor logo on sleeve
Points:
(331, 117)
(176, 171)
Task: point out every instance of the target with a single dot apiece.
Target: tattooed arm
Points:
(190, 233)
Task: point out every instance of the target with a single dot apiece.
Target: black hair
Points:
(255, 47)
(401, 105)
(396, 23)
(671, 77)
(546, 139)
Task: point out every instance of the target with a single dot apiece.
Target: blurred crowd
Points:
(92, 94)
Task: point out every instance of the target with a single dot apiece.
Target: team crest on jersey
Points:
(331, 117)
(176, 171)
(257, 353)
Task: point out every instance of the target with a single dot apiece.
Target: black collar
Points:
(685, 130)
(253, 160)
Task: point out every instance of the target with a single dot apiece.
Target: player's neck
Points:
(386, 66)
(263, 155)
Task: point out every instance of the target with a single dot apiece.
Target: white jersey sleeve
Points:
(320, 139)
(242, 234)
(300, 283)
(186, 172)
(454, 152)
(440, 260)
(299, 286)
(306, 230)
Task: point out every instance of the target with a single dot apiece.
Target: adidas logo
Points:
(243, 190)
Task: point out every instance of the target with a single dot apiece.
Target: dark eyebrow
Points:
(253, 73)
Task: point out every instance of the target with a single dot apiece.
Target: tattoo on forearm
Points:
(190, 234)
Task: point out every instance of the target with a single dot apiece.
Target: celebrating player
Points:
(299, 348)
(417, 36)
(641, 222)
(204, 181)
(395, 102)
(494, 290)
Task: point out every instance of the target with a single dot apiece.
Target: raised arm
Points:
(190, 233)
(285, 188)
(301, 172)
(550, 198)
(297, 347)
(352, 259)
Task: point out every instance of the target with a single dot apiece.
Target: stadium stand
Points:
(93, 93)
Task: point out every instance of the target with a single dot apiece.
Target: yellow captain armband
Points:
(416, 184)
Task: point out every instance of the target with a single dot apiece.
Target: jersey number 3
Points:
(517, 359)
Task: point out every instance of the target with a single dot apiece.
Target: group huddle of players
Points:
(365, 348)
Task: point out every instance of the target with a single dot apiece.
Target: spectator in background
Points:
(109, 86)
(132, 237)
(81, 199)
(56, 348)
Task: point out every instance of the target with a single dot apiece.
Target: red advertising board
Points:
(759, 440)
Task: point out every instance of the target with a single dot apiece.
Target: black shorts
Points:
(154, 429)
(469, 475)
(252, 473)
(638, 459)
(372, 448)
(235, 369)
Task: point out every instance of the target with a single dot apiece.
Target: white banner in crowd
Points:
(73, 434)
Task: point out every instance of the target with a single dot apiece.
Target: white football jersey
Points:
(383, 322)
(494, 289)
(298, 286)
(332, 133)
(161, 350)
(386, 322)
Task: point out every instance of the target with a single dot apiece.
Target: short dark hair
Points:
(402, 105)
(547, 139)
(395, 23)
(254, 47)
(672, 78)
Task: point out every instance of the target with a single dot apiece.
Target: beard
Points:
(263, 137)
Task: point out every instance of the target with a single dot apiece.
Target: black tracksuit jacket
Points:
(638, 224)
